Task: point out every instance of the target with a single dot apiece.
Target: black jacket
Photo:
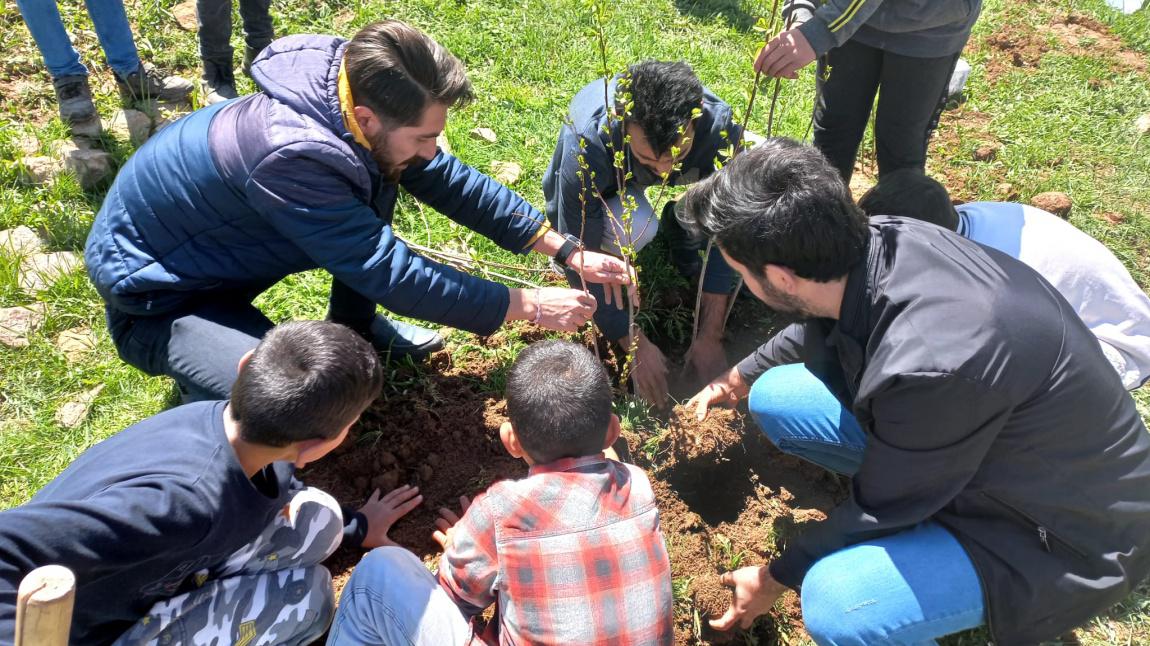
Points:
(989, 408)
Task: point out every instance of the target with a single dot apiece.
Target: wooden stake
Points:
(44, 607)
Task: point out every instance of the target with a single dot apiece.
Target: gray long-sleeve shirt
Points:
(919, 28)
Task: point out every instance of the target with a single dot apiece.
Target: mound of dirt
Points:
(708, 439)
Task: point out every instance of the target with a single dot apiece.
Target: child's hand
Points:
(382, 513)
(446, 522)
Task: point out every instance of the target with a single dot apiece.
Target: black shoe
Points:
(219, 83)
(402, 339)
(150, 83)
(74, 97)
(250, 55)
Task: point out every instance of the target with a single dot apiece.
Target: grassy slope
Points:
(526, 59)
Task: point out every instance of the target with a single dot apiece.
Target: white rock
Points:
(443, 143)
(20, 242)
(41, 270)
(40, 170)
(133, 125)
(1143, 124)
(76, 342)
(485, 134)
(75, 411)
(91, 167)
(506, 173)
(17, 323)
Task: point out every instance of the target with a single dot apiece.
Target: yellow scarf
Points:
(346, 105)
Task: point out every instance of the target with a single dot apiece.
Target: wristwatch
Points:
(570, 245)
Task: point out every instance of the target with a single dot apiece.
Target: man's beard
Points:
(786, 304)
(390, 171)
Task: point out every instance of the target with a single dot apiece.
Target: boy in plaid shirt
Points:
(571, 554)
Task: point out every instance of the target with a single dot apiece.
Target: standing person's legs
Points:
(200, 346)
(47, 29)
(391, 598)
(912, 93)
(270, 592)
(802, 417)
(115, 34)
(215, 34)
(907, 588)
(258, 30)
(844, 94)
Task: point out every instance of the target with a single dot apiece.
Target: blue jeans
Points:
(392, 599)
(906, 588)
(61, 59)
(215, 32)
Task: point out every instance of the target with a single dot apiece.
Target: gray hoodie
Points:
(919, 28)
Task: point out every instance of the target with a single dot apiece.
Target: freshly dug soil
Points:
(727, 497)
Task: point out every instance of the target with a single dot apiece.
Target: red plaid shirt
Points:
(572, 554)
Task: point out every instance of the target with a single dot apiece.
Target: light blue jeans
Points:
(61, 59)
(907, 588)
(392, 599)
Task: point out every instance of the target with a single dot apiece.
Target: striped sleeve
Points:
(833, 23)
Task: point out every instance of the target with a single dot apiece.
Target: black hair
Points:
(306, 380)
(779, 203)
(559, 401)
(911, 193)
(664, 97)
(397, 70)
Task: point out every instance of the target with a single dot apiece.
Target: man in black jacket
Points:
(1000, 472)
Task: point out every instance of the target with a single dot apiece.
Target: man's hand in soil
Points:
(649, 372)
(381, 513)
(785, 55)
(446, 522)
(726, 390)
(555, 308)
(595, 267)
(755, 592)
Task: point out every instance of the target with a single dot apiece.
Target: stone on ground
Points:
(18, 323)
(40, 170)
(133, 125)
(443, 143)
(985, 153)
(1053, 201)
(20, 241)
(1143, 124)
(91, 167)
(76, 342)
(506, 173)
(485, 134)
(41, 270)
(75, 411)
(186, 16)
(1006, 192)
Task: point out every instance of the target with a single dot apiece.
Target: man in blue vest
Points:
(304, 174)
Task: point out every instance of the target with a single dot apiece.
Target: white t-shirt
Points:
(1082, 269)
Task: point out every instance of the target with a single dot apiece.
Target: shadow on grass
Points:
(730, 10)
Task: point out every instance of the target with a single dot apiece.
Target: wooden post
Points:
(44, 607)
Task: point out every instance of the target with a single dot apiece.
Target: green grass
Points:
(1065, 125)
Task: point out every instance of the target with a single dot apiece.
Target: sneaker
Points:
(150, 83)
(403, 340)
(74, 96)
(219, 84)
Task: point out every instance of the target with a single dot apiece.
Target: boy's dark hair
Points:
(559, 401)
(664, 97)
(306, 380)
(397, 70)
(910, 193)
(779, 203)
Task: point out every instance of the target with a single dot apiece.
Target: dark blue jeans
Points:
(216, 28)
(200, 345)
